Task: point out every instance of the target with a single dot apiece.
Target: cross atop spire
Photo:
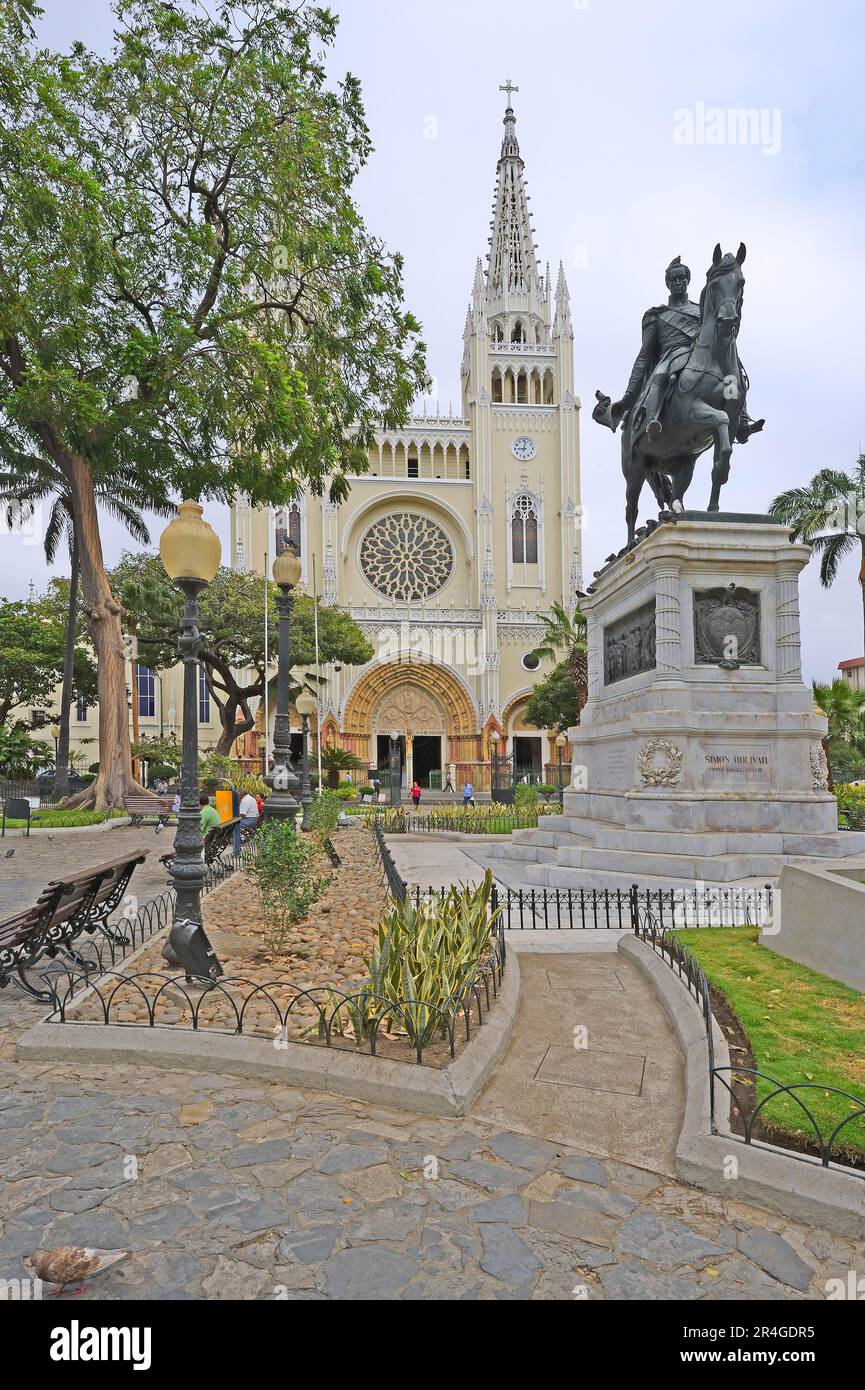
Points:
(509, 88)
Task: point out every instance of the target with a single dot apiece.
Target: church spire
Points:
(563, 325)
(513, 268)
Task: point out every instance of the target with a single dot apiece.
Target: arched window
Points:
(497, 386)
(524, 530)
(519, 333)
(289, 529)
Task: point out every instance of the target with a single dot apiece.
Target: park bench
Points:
(216, 842)
(143, 804)
(78, 902)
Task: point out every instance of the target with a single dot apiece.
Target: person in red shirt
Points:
(415, 794)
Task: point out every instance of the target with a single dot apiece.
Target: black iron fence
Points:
(619, 909)
(33, 790)
(396, 884)
(499, 819)
(825, 1141)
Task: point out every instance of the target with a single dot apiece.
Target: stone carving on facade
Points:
(659, 763)
(819, 768)
(410, 713)
(727, 628)
(629, 645)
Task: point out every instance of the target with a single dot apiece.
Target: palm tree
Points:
(567, 634)
(120, 499)
(844, 708)
(337, 760)
(830, 514)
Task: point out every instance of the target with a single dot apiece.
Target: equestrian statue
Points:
(688, 389)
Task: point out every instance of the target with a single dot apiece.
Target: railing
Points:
(233, 1004)
(690, 972)
(90, 957)
(396, 884)
(622, 909)
(33, 790)
(405, 822)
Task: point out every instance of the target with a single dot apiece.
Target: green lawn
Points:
(63, 820)
(802, 1027)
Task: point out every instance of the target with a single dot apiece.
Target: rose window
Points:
(406, 556)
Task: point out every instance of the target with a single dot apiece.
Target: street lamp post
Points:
(191, 552)
(395, 769)
(55, 734)
(560, 747)
(305, 704)
(494, 762)
(283, 780)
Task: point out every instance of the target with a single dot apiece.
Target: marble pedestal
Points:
(699, 754)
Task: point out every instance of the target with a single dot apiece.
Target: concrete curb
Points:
(791, 1185)
(449, 1091)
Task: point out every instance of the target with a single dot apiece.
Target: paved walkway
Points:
(225, 1190)
(40, 856)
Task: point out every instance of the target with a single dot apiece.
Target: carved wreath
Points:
(666, 774)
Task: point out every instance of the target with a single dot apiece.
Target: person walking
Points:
(452, 777)
(415, 794)
(468, 794)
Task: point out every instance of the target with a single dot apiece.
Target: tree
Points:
(187, 291)
(566, 633)
(337, 760)
(232, 627)
(21, 755)
(32, 643)
(554, 702)
(24, 487)
(844, 708)
(830, 515)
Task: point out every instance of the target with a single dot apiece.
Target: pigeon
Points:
(70, 1264)
(9, 853)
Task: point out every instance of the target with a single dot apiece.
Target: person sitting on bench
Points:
(210, 817)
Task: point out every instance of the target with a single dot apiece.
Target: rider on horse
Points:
(669, 331)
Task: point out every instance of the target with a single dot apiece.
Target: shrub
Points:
(254, 784)
(424, 961)
(346, 791)
(287, 885)
(525, 794)
(324, 811)
(367, 790)
(851, 807)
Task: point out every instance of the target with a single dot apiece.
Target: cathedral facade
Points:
(463, 532)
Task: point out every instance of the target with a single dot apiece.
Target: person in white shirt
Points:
(248, 810)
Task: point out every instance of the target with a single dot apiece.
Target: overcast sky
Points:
(617, 124)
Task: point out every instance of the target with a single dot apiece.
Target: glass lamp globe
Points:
(287, 569)
(305, 704)
(189, 546)
(561, 740)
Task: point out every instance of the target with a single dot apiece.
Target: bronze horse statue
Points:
(704, 402)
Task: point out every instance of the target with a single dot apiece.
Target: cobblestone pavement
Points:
(225, 1190)
(42, 855)
(222, 1190)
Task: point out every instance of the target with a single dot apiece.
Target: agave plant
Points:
(422, 965)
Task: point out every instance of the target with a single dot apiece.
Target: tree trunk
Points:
(61, 779)
(102, 614)
(830, 782)
(232, 728)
